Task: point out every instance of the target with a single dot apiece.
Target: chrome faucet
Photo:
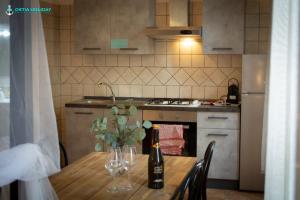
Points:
(111, 90)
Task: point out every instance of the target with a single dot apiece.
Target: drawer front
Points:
(218, 120)
(77, 139)
(174, 116)
(225, 159)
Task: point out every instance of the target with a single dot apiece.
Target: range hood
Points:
(179, 23)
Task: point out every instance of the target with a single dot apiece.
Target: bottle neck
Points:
(155, 138)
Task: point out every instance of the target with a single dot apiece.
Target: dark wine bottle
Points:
(155, 162)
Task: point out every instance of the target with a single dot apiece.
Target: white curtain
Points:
(37, 155)
(282, 127)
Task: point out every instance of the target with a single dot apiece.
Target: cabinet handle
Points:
(83, 113)
(133, 48)
(217, 134)
(217, 117)
(91, 48)
(222, 48)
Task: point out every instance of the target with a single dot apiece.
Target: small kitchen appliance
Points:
(233, 91)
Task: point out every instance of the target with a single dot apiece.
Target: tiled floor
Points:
(217, 194)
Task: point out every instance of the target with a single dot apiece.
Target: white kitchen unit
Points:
(223, 26)
(78, 140)
(224, 129)
(124, 24)
(92, 29)
(112, 26)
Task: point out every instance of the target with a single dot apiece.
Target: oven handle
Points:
(186, 127)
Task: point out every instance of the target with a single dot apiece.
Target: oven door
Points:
(189, 136)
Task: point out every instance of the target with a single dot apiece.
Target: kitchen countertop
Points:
(106, 102)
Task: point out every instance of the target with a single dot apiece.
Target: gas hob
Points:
(173, 102)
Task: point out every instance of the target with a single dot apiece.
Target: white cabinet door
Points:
(225, 159)
(92, 26)
(78, 140)
(128, 20)
(223, 26)
(99, 23)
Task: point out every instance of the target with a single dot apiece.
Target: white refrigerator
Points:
(252, 109)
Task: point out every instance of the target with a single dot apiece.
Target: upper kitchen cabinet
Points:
(128, 20)
(223, 26)
(113, 26)
(92, 32)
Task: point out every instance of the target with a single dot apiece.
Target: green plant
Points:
(115, 130)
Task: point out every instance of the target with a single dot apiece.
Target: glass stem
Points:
(114, 185)
(129, 177)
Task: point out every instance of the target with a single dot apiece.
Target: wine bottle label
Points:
(158, 170)
(158, 181)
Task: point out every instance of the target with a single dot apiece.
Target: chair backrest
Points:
(196, 179)
(207, 157)
(64, 154)
(199, 193)
(188, 181)
(195, 189)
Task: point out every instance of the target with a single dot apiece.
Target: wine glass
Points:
(129, 153)
(115, 166)
(129, 159)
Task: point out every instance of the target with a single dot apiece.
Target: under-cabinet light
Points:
(187, 42)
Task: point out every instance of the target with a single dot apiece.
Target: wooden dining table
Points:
(87, 179)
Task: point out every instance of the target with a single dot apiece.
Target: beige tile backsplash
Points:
(135, 72)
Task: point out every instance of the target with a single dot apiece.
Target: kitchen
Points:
(174, 70)
(200, 64)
